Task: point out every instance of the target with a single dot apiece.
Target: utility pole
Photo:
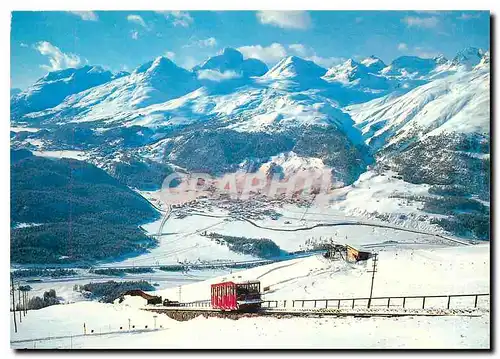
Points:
(373, 271)
(20, 311)
(13, 301)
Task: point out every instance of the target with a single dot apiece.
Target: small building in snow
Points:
(151, 299)
(355, 255)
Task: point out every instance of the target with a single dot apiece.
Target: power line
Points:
(373, 271)
(13, 290)
(70, 200)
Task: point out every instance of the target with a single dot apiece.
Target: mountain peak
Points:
(353, 73)
(232, 60)
(162, 63)
(293, 67)
(468, 57)
(352, 62)
(79, 71)
(52, 88)
(161, 67)
(373, 63)
(440, 59)
(485, 61)
(410, 66)
(233, 54)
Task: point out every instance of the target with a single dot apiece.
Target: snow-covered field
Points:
(182, 239)
(339, 333)
(77, 155)
(416, 265)
(408, 272)
(64, 286)
(26, 129)
(440, 271)
(409, 264)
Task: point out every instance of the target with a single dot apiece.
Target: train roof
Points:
(237, 283)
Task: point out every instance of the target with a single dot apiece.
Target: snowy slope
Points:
(400, 272)
(353, 73)
(410, 66)
(469, 57)
(154, 82)
(440, 271)
(51, 89)
(457, 103)
(294, 67)
(374, 64)
(223, 117)
(453, 332)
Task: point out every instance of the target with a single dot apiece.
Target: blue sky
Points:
(122, 40)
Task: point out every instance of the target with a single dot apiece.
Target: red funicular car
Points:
(236, 296)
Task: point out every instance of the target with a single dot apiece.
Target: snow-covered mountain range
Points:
(427, 120)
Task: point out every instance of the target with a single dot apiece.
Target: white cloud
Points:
(325, 62)
(466, 17)
(309, 54)
(134, 34)
(285, 19)
(423, 22)
(270, 54)
(170, 55)
(210, 42)
(431, 12)
(275, 52)
(299, 49)
(22, 44)
(189, 62)
(58, 59)
(217, 76)
(86, 15)
(179, 18)
(425, 52)
(402, 46)
(137, 19)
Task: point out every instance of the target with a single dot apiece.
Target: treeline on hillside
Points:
(118, 272)
(222, 150)
(42, 272)
(107, 292)
(458, 169)
(466, 217)
(49, 298)
(259, 247)
(139, 173)
(104, 213)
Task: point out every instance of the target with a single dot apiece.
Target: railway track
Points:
(341, 307)
(184, 314)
